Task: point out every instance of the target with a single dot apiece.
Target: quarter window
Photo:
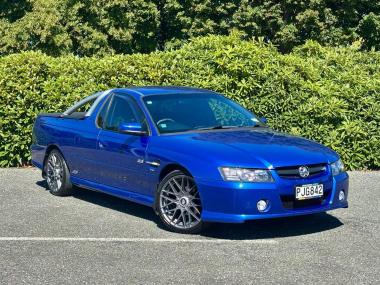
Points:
(102, 114)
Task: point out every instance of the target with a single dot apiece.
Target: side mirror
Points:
(263, 120)
(132, 129)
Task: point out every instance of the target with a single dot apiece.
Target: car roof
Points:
(136, 92)
(157, 90)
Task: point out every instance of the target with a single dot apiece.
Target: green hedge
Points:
(331, 95)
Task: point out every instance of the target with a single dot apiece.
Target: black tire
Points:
(56, 169)
(162, 195)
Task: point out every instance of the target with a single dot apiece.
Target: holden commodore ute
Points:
(192, 155)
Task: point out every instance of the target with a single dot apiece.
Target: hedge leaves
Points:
(331, 95)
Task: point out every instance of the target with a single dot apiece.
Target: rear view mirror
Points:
(132, 129)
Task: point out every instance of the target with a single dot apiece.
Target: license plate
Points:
(309, 191)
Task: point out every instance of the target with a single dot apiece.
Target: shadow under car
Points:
(255, 229)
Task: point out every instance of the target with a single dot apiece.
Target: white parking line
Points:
(142, 240)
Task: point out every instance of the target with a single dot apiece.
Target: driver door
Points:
(121, 154)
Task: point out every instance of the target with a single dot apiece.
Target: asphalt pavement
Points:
(92, 238)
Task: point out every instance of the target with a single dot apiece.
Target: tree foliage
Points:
(331, 95)
(86, 27)
(81, 27)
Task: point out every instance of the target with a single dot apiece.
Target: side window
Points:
(122, 109)
(102, 114)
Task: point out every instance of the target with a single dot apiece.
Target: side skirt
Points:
(117, 192)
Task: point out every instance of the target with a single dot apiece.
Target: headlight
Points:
(245, 174)
(337, 167)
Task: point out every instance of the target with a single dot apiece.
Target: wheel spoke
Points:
(167, 192)
(195, 216)
(170, 199)
(178, 218)
(59, 183)
(173, 217)
(172, 188)
(192, 188)
(189, 216)
(183, 218)
(196, 209)
(183, 183)
(176, 183)
(55, 186)
(168, 204)
(168, 210)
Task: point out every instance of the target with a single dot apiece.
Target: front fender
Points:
(199, 168)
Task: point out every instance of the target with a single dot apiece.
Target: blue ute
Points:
(193, 155)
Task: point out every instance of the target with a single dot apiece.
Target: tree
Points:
(83, 28)
(285, 23)
(98, 27)
(369, 30)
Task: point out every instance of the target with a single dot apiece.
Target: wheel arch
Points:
(48, 150)
(170, 168)
(165, 171)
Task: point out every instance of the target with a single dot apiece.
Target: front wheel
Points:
(178, 203)
(58, 175)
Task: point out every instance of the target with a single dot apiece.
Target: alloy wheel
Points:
(180, 203)
(54, 172)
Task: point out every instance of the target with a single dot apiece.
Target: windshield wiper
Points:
(218, 127)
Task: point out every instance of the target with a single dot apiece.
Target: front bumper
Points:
(235, 202)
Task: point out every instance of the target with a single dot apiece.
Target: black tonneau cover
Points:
(74, 115)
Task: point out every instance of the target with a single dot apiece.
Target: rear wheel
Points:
(58, 175)
(178, 203)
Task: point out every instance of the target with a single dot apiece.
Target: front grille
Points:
(293, 172)
(289, 201)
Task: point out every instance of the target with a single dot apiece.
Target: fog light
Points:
(262, 205)
(342, 196)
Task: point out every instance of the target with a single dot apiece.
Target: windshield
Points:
(188, 112)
